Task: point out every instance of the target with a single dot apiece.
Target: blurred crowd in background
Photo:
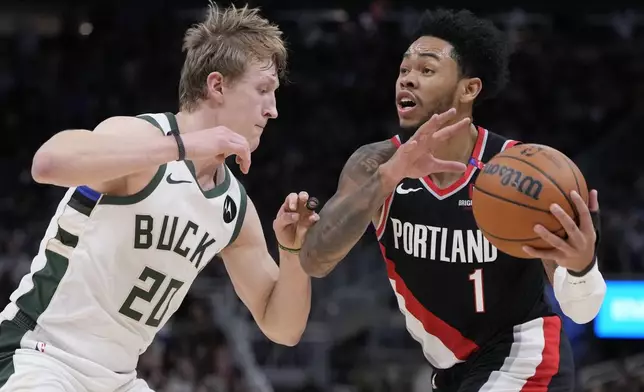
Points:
(577, 84)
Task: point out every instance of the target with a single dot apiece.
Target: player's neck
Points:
(458, 148)
(198, 119)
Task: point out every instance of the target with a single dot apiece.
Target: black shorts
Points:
(535, 357)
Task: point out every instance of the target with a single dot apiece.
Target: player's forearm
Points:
(78, 157)
(342, 224)
(289, 304)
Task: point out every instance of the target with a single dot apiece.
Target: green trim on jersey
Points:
(243, 200)
(152, 121)
(172, 120)
(66, 238)
(140, 195)
(218, 190)
(149, 188)
(34, 302)
(10, 337)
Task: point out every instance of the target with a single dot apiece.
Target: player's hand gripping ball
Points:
(294, 218)
(531, 201)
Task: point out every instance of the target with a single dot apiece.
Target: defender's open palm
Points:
(414, 159)
(217, 144)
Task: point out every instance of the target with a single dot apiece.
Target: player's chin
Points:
(408, 123)
(254, 143)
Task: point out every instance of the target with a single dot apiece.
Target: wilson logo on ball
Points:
(514, 178)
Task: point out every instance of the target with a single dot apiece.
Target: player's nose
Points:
(270, 112)
(408, 81)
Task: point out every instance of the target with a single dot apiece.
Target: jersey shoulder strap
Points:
(496, 143)
(165, 122)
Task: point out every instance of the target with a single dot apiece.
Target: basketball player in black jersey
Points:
(480, 315)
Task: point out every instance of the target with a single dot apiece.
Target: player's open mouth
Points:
(405, 101)
(406, 105)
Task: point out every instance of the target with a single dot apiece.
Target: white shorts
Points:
(27, 365)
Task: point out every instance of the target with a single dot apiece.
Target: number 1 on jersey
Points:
(477, 278)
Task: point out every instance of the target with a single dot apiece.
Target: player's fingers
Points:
(285, 219)
(575, 236)
(593, 201)
(554, 240)
(441, 166)
(451, 130)
(427, 128)
(309, 220)
(233, 136)
(303, 196)
(442, 118)
(550, 254)
(434, 123)
(409, 147)
(242, 150)
(291, 202)
(585, 220)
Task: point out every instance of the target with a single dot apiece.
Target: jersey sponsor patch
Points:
(230, 209)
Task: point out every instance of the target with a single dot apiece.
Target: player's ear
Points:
(469, 89)
(215, 86)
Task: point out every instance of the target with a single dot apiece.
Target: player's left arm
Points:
(278, 297)
(572, 265)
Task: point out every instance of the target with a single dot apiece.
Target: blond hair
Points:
(226, 42)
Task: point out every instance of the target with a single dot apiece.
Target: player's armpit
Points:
(279, 298)
(118, 147)
(550, 266)
(361, 192)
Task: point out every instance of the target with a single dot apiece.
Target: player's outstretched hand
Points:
(414, 159)
(217, 144)
(294, 218)
(578, 250)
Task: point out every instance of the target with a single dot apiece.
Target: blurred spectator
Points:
(576, 85)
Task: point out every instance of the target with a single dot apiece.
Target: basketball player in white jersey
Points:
(150, 203)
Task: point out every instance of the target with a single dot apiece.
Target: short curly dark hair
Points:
(480, 49)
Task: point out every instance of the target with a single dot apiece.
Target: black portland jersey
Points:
(455, 289)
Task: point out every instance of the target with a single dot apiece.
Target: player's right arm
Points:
(370, 175)
(362, 189)
(122, 147)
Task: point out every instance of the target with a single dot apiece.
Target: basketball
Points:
(515, 190)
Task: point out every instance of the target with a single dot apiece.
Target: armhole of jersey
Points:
(509, 143)
(149, 188)
(384, 214)
(396, 141)
(243, 200)
(152, 121)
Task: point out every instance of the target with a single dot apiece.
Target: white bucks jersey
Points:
(112, 270)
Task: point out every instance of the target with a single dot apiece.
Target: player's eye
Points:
(428, 71)
(403, 71)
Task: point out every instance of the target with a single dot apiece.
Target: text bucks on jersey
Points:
(112, 270)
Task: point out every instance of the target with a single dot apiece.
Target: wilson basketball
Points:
(515, 190)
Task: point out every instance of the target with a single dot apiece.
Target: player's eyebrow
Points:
(272, 81)
(423, 54)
